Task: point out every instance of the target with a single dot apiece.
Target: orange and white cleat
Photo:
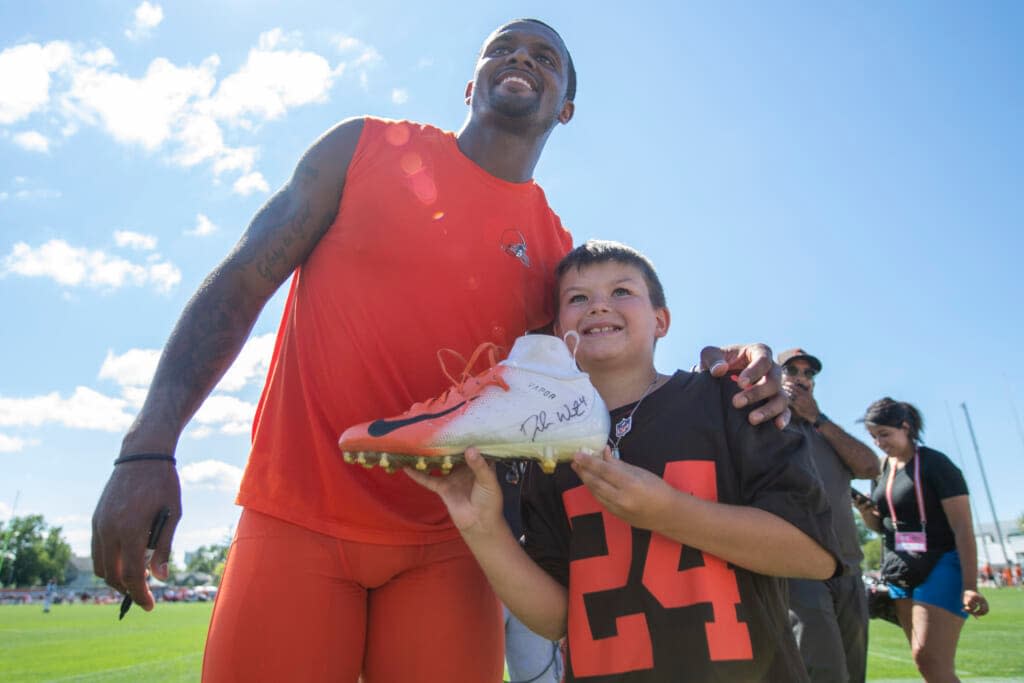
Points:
(534, 405)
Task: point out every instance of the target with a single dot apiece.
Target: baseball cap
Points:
(799, 354)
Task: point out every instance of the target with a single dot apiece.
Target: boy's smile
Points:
(609, 304)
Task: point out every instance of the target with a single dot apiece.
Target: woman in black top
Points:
(919, 504)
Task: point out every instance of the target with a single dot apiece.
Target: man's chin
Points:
(516, 107)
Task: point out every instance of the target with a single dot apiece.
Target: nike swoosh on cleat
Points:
(385, 427)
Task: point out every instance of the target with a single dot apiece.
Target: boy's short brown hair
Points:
(593, 252)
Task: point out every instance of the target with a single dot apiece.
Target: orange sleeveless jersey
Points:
(428, 251)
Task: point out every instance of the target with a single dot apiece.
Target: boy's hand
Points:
(471, 493)
(759, 377)
(630, 493)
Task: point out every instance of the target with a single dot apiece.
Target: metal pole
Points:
(974, 512)
(1016, 415)
(984, 479)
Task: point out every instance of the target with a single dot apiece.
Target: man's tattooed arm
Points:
(218, 319)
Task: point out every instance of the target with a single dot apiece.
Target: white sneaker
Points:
(534, 405)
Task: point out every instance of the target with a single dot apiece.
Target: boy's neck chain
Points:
(625, 425)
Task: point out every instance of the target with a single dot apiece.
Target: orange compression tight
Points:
(298, 606)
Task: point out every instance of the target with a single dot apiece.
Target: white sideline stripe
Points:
(101, 675)
(963, 680)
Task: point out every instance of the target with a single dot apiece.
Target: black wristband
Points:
(822, 419)
(145, 456)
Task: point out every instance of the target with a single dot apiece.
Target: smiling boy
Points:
(658, 564)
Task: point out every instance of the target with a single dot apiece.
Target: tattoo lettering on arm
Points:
(284, 232)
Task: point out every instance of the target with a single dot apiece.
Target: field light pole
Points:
(974, 510)
(981, 466)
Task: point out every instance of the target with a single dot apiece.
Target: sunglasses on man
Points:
(794, 371)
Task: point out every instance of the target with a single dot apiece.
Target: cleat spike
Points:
(446, 464)
(548, 465)
(421, 464)
(361, 458)
(384, 461)
(347, 457)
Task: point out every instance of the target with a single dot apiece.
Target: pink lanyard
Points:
(917, 488)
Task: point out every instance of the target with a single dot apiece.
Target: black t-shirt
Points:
(643, 608)
(940, 479)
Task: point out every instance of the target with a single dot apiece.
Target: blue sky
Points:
(845, 177)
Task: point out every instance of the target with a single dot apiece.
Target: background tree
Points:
(36, 552)
(870, 545)
(208, 559)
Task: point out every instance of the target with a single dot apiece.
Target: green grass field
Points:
(87, 643)
(991, 648)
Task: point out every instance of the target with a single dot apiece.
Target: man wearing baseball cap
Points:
(829, 618)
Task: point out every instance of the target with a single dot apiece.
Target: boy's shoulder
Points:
(702, 385)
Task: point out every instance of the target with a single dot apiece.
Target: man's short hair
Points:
(593, 252)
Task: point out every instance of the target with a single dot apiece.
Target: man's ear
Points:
(568, 109)
(469, 92)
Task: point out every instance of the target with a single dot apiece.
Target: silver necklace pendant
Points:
(623, 426)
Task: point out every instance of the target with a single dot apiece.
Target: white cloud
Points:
(193, 538)
(78, 267)
(133, 368)
(181, 110)
(235, 159)
(211, 474)
(399, 95)
(204, 227)
(33, 141)
(347, 43)
(272, 81)
(140, 111)
(367, 57)
(11, 444)
(135, 396)
(147, 17)
(230, 414)
(134, 240)
(164, 275)
(25, 77)
(79, 538)
(249, 183)
(251, 365)
(85, 409)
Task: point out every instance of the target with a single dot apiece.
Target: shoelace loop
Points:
(478, 381)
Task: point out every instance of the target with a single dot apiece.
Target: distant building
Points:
(989, 549)
(84, 580)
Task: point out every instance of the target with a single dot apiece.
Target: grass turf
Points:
(991, 648)
(87, 643)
